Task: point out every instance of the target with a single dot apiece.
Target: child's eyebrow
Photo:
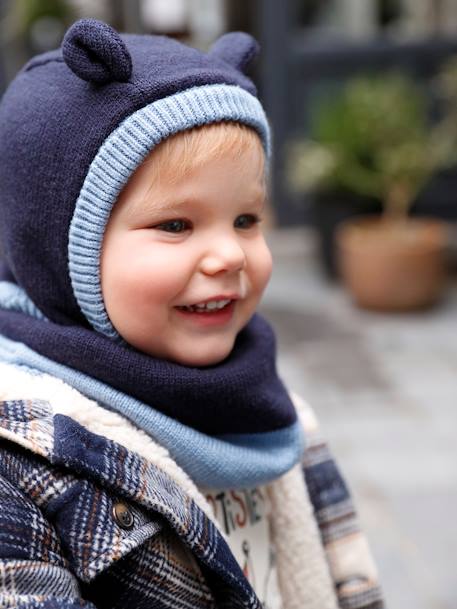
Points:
(148, 205)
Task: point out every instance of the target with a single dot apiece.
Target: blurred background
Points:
(362, 98)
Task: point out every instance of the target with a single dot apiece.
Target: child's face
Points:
(192, 239)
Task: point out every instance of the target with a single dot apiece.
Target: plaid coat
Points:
(86, 522)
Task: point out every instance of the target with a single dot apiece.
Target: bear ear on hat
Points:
(238, 49)
(95, 52)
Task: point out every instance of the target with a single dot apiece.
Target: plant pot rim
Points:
(380, 220)
(376, 233)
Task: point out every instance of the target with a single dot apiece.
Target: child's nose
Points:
(224, 255)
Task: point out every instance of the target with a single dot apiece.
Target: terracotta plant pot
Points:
(393, 266)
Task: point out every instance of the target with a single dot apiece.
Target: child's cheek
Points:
(120, 272)
(262, 267)
(151, 273)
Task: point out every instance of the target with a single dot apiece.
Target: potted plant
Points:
(374, 140)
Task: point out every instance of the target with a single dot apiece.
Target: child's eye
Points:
(246, 221)
(173, 226)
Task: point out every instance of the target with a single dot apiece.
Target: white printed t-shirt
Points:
(243, 515)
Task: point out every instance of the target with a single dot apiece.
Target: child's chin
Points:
(193, 353)
(207, 357)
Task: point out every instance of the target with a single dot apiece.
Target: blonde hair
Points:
(188, 150)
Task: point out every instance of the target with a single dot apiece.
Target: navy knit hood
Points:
(56, 116)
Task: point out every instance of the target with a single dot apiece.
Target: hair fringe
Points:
(178, 155)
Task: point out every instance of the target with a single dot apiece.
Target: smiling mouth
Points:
(212, 306)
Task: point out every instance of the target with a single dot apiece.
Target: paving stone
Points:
(384, 388)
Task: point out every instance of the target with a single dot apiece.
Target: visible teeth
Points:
(213, 305)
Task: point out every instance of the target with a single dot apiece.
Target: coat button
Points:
(122, 515)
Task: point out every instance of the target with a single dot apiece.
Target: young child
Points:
(150, 455)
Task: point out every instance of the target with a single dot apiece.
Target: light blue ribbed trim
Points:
(118, 157)
(14, 298)
(224, 462)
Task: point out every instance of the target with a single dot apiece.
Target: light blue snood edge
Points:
(219, 462)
